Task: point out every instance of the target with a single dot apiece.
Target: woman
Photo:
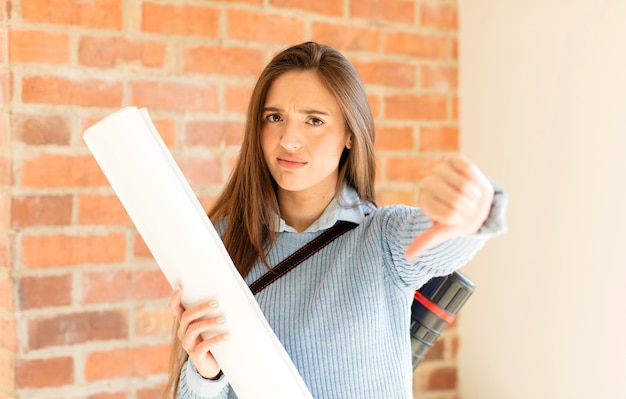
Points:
(306, 162)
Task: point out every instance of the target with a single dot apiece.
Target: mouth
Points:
(290, 162)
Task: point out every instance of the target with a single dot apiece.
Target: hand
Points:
(457, 197)
(200, 329)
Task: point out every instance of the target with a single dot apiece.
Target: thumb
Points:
(437, 234)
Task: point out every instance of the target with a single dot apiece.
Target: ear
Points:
(349, 142)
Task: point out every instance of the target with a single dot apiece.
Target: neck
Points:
(300, 209)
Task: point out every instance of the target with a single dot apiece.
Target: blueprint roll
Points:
(184, 243)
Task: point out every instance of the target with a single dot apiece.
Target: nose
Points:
(291, 138)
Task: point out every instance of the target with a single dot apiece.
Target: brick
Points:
(7, 378)
(326, 7)
(252, 26)
(202, 170)
(409, 169)
(208, 201)
(153, 323)
(214, 133)
(182, 20)
(141, 250)
(104, 14)
(67, 91)
(57, 170)
(223, 61)
(175, 96)
(439, 138)
(454, 346)
(5, 217)
(416, 107)
(150, 392)
(437, 352)
(8, 338)
(45, 291)
(231, 164)
(41, 129)
(390, 10)
(39, 46)
(6, 171)
(237, 99)
(444, 378)
(345, 37)
(440, 77)
(379, 169)
(105, 52)
(41, 251)
(167, 131)
(375, 104)
(391, 197)
(5, 252)
(392, 138)
(6, 288)
(6, 88)
(386, 73)
(441, 16)
(123, 285)
(455, 49)
(454, 113)
(41, 210)
(127, 362)
(76, 328)
(4, 123)
(104, 210)
(109, 395)
(44, 373)
(418, 45)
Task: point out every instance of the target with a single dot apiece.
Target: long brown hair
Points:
(249, 202)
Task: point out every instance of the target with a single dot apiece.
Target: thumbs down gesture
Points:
(457, 197)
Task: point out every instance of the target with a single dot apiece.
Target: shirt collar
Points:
(345, 206)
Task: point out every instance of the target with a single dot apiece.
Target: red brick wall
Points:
(78, 288)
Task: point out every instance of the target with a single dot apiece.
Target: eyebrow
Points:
(302, 111)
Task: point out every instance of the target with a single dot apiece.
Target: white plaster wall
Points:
(543, 112)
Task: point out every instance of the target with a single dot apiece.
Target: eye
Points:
(273, 118)
(315, 121)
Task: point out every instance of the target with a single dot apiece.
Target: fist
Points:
(457, 197)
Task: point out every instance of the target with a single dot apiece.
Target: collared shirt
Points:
(343, 315)
(345, 206)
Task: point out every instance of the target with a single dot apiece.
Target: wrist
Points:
(217, 376)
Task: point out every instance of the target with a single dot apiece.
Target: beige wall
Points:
(543, 111)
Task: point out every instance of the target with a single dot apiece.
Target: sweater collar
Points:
(345, 206)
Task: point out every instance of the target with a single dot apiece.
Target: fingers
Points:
(454, 191)
(199, 312)
(201, 335)
(175, 306)
(444, 203)
(457, 197)
(200, 328)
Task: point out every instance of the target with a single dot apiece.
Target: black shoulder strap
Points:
(301, 255)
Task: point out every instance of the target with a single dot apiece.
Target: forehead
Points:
(300, 88)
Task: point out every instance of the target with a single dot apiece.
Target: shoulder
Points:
(392, 214)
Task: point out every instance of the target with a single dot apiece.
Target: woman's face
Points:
(303, 133)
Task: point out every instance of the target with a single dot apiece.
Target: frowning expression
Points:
(303, 133)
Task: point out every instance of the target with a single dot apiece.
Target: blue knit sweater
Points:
(343, 315)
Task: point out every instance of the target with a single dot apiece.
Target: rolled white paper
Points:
(184, 243)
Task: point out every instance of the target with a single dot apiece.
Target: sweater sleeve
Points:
(405, 223)
(193, 386)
